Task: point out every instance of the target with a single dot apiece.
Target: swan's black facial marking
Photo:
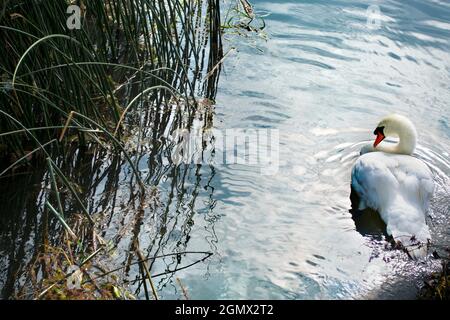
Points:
(379, 130)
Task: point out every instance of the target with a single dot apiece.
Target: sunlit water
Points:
(323, 79)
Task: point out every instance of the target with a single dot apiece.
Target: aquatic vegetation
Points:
(71, 98)
(437, 286)
(242, 18)
(127, 54)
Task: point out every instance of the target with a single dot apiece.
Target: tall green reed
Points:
(122, 49)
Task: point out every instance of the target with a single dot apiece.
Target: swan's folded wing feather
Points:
(415, 179)
(370, 178)
(426, 191)
(379, 177)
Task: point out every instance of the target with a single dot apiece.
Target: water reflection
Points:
(105, 180)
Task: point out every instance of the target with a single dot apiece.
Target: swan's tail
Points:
(407, 225)
(414, 248)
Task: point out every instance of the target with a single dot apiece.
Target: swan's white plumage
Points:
(399, 187)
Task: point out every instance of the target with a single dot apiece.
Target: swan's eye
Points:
(379, 130)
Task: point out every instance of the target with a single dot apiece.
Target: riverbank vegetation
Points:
(437, 285)
(80, 108)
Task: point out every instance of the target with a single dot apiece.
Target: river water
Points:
(326, 75)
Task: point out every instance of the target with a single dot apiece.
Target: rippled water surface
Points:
(323, 79)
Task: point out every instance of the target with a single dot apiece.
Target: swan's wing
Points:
(379, 177)
(373, 180)
(415, 179)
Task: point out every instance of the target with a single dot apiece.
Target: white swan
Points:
(389, 180)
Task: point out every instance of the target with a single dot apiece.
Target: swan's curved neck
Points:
(407, 141)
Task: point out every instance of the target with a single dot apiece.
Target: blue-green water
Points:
(323, 79)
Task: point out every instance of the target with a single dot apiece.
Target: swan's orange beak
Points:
(380, 137)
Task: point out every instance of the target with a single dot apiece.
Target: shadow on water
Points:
(367, 222)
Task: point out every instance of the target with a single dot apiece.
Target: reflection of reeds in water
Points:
(131, 75)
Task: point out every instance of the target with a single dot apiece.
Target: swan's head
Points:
(397, 126)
